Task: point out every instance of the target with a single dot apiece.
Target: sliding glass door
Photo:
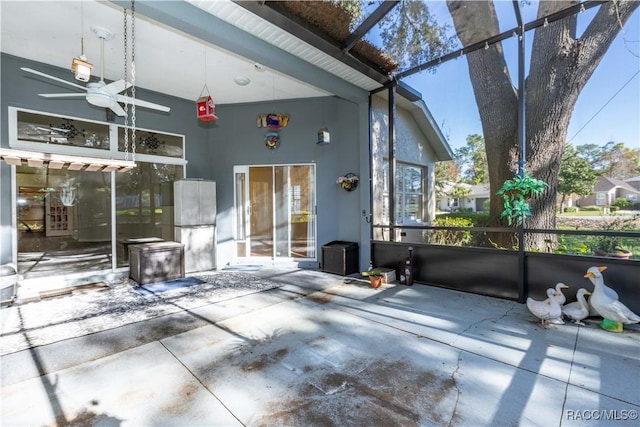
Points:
(64, 221)
(275, 212)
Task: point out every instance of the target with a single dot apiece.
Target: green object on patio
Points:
(611, 325)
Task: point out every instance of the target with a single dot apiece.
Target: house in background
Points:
(607, 190)
(634, 182)
(475, 199)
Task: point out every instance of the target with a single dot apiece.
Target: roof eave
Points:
(429, 127)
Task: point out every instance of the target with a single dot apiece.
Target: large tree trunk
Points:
(560, 67)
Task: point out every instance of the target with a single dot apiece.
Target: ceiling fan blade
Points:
(141, 103)
(38, 73)
(117, 109)
(62, 95)
(117, 86)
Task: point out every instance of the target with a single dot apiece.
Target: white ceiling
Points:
(167, 60)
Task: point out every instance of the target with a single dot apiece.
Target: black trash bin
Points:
(8, 285)
(339, 257)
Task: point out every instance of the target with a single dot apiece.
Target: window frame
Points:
(114, 130)
(402, 194)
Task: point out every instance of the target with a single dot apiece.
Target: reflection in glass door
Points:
(275, 211)
(64, 221)
(261, 211)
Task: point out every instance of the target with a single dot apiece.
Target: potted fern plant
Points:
(516, 193)
(375, 277)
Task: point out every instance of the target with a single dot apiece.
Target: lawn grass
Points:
(581, 213)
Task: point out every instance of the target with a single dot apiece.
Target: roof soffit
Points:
(254, 19)
(201, 24)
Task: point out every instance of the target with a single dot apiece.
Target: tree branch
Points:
(602, 31)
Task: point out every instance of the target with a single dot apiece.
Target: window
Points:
(68, 213)
(143, 203)
(148, 142)
(61, 131)
(409, 190)
(600, 199)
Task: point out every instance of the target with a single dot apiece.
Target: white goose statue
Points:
(605, 301)
(559, 295)
(547, 312)
(578, 310)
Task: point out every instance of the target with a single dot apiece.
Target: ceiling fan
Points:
(100, 93)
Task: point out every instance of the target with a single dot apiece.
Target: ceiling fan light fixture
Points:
(82, 68)
(99, 99)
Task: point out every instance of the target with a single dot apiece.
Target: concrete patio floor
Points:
(318, 351)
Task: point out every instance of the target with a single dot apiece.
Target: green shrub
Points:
(592, 208)
(477, 219)
(636, 206)
(621, 203)
(571, 209)
(613, 209)
(612, 244)
(450, 237)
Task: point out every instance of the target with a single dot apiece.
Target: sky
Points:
(608, 108)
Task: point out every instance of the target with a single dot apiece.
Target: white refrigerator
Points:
(195, 222)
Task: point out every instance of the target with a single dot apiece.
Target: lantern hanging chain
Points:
(126, 104)
(133, 80)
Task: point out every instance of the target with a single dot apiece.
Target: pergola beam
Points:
(61, 161)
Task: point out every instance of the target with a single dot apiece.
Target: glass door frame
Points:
(242, 214)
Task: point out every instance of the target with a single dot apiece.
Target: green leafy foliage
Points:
(411, 34)
(608, 244)
(376, 272)
(577, 176)
(472, 160)
(613, 159)
(516, 192)
(451, 237)
(445, 172)
(622, 203)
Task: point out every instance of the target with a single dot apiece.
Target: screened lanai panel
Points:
(403, 20)
(476, 23)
